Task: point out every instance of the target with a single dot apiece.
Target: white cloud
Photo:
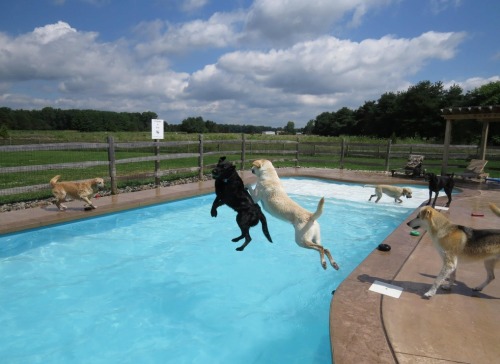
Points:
(326, 66)
(191, 5)
(81, 65)
(297, 81)
(219, 31)
(438, 6)
(470, 84)
(267, 65)
(288, 21)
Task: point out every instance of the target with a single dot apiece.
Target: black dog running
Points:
(230, 190)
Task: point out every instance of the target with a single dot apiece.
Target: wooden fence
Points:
(338, 154)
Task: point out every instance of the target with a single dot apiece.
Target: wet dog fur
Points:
(392, 191)
(458, 243)
(82, 190)
(271, 193)
(436, 184)
(230, 191)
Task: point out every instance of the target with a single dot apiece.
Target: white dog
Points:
(270, 191)
(392, 191)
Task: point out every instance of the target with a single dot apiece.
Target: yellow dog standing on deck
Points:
(275, 200)
(78, 190)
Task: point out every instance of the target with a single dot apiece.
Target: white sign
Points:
(386, 288)
(157, 128)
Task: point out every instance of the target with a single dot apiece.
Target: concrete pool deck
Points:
(460, 326)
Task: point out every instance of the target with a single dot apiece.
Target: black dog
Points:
(437, 183)
(230, 190)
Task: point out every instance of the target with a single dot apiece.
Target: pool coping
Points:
(363, 324)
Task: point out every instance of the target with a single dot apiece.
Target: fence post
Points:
(297, 153)
(243, 151)
(388, 154)
(200, 156)
(112, 164)
(157, 162)
(342, 147)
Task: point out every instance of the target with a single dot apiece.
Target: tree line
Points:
(50, 118)
(414, 113)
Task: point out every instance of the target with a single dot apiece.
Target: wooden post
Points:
(243, 151)
(297, 153)
(112, 164)
(388, 154)
(342, 147)
(484, 139)
(157, 162)
(200, 156)
(446, 151)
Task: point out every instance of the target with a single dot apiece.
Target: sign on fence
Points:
(157, 128)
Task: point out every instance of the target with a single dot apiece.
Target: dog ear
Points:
(428, 216)
(222, 159)
(257, 163)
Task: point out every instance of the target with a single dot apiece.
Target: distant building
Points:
(269, 132)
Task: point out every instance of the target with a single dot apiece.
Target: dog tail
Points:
(263, 222)
(495, 209)
(319, 210)
(54, 179)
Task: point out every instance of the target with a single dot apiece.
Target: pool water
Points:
(164, 284)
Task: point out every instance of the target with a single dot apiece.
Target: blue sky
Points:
(261, 62)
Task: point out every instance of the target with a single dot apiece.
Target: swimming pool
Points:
(164, 283)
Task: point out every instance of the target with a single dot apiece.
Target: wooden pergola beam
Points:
(484, 114)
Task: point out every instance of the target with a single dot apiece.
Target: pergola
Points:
(484, 114)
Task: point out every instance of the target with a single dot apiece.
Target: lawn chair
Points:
(413, 167)
(475, 170)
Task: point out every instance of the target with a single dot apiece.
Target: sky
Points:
(261, 62)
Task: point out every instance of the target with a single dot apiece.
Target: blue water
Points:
(164, 284)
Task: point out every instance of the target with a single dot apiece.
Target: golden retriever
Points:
(270, 191)
(82, 190)
(457, 242)
(392, 191)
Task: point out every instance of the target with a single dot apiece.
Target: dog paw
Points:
(428, 294)
(240, 249)
(335, 266)
(213, 212)
(323, 264)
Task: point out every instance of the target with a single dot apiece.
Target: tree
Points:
(289, 128)
(211, 127)
(365, 119)
(387, 115)
(309, 128)
(344, 121)
(422, 105)
(4, 132)
(488, 94)
(193, 125)
(323, 124)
